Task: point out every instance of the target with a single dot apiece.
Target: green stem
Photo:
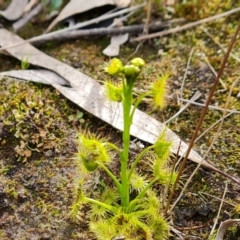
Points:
(96, 202)
(143, 192)
(113, 146)
(127, 121)
(139, 213)
(139, 100)
(136, 161)
(111, 175)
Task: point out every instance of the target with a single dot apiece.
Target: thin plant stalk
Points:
(101, 204)
(143, 192)
(111, 175)
(113, 146)
(139, 100)
(124, 156)
(136, 161)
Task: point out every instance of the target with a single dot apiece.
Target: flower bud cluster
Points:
(130, 71)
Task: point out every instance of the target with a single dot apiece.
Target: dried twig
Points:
(186, 26)
(105, 31)
(135, 51)
(219, 210)
(185, 74)
(214, 71)
(148, 19)
(209, 106)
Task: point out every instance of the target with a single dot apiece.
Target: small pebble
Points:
(49, 153)
(238, 95)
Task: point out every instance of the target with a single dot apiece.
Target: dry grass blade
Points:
(214, 71)
(209, 106)
(219, 210)
(185, 74)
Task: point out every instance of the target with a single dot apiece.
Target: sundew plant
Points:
(125, 204)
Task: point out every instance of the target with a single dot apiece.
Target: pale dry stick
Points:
(178, 233)
(213, 70)
(76, 34)
(210, 106)
(220, 46)
(186, 26)
(183, 236)
(185, 74)
(209, 149)
(79, 25)
(219, 199)
(136, 50)
(193, 98)
(219, 210)
(149, 10)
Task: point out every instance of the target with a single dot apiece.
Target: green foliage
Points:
(55, 4)
(78, 117)
(92, 151)
(128, 205)
(159, 91)
(25, 64)
(114, 91)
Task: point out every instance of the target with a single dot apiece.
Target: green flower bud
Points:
(138, 62)
(89, 163)
(115, 66)
(131, 71)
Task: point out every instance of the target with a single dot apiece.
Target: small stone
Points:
(49, 153)
(176, 83)
(120, 237)
(238, 95)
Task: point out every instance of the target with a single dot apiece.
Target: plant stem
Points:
(96, 202)
(111, 175)
(143, 192)
(127, 121)
(139, 100)
(113, 146)
(136, 161)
